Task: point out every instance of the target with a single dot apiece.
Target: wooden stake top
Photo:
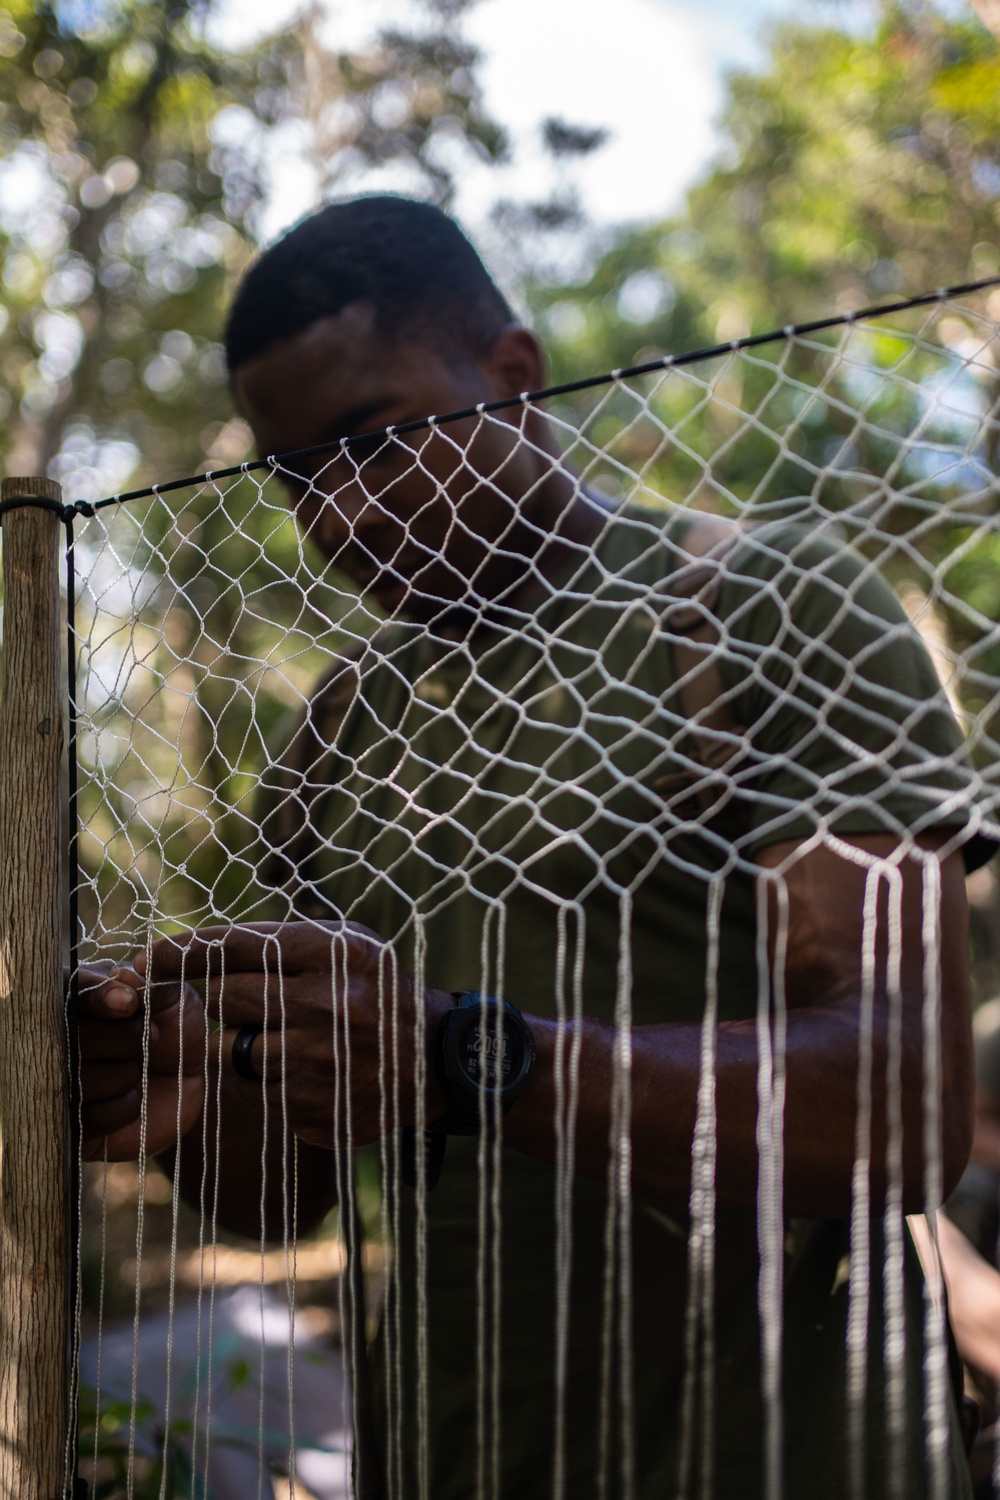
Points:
(35, 485)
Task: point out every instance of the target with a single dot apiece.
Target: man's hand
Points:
(116, 1008)
(308, 984)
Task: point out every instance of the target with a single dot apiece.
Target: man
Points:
(619, 786)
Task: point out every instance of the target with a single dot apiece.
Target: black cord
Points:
(78, 1489)
(589, 382)
(33, 502)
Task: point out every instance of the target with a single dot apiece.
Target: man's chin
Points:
(415, 599)
(405, 601)
(390, 593)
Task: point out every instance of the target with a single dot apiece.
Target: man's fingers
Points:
(116, 993)
(108, 1080)
(264, 1053)
(216, 950)
(222, 1045)
(115, 1039)
(292, 947)
(108, 1115)
(157, 1133)
(258, 999)
(181, 1041)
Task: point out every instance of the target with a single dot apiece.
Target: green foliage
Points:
(115, 1429)
(857, 166)
(114, 279)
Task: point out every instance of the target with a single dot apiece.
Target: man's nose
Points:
(351, 518)
(363, 513)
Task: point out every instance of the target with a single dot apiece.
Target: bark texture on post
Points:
(34, 1115)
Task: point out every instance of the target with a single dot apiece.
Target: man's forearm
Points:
(820, 1110)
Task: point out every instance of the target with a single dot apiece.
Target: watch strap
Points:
(432, 1144)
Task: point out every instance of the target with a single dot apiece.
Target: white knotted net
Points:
(612, 777)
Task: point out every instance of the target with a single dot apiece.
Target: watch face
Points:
(489, 1060)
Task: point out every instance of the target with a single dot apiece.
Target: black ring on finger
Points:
(242, 1060)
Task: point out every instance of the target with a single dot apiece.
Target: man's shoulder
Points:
(776, 573)
(726, 564)
(751, 539)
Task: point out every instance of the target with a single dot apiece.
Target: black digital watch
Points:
(484, 1051)
(484, 1054)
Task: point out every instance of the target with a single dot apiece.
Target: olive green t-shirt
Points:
(514, 804)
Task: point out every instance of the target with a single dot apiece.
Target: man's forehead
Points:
(339, 368)
(354, 324)
(345, 341)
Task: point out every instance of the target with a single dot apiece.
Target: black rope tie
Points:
(37, 502)
(66, 513)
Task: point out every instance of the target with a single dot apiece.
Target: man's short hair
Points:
(408, 259)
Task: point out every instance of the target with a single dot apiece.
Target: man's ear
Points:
(516, 362)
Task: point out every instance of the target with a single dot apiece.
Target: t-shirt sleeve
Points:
(847, 727)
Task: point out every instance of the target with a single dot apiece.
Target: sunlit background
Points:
(654, 79)
(640, 177)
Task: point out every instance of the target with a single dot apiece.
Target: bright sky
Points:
(649, 70)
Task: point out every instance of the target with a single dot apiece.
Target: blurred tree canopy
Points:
(134, 158)
(855, 166)
(858, 165)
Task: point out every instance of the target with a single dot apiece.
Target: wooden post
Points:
(34, 1114)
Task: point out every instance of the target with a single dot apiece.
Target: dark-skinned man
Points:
(494, 798)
